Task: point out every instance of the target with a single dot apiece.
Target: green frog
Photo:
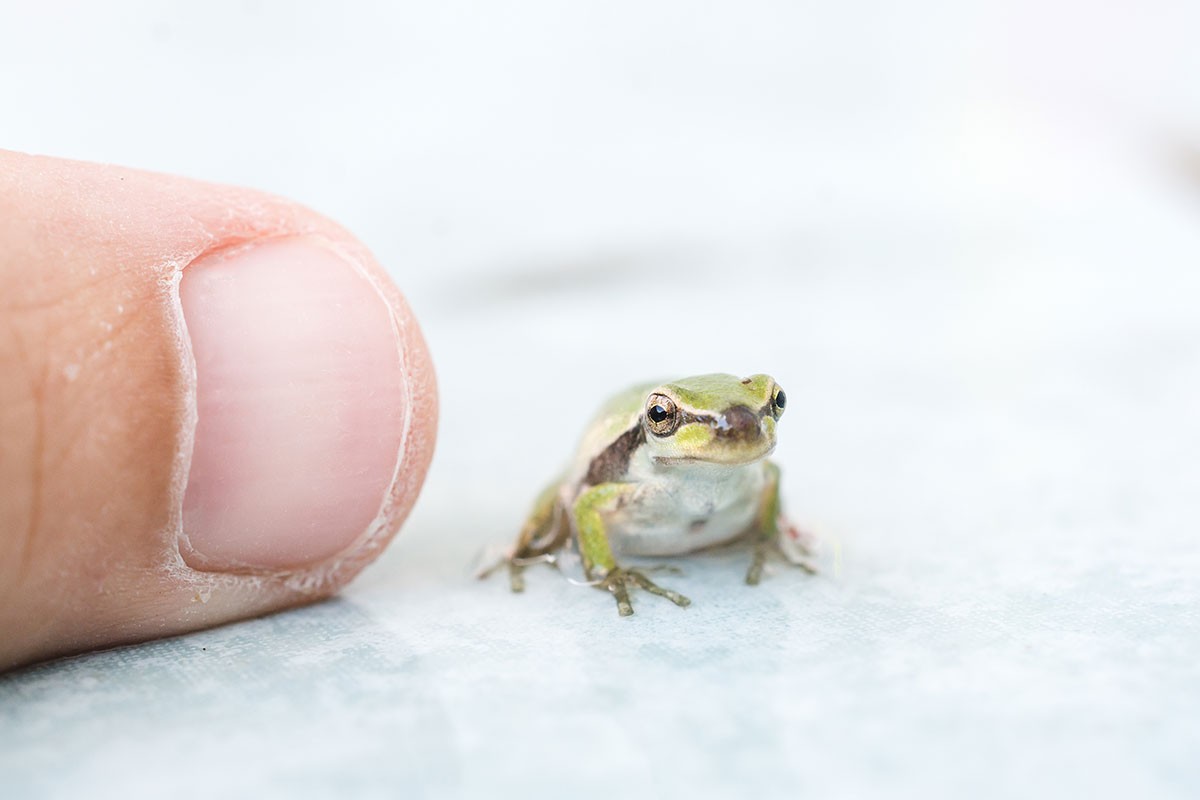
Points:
(662, 470)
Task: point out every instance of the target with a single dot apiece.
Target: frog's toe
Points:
(493, 566)
(805, 564)
(516, 576)
(639, 577)
(670, 569)
(754, 573)
(619, 580)
(795, 542)
(799, 552)
(621, 592)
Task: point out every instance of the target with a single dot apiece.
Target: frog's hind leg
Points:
(544, 532)
(772, 529)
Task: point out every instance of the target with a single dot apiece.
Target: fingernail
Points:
(300, 406)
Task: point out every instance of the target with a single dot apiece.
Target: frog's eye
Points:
(779, 401)
(662, 414)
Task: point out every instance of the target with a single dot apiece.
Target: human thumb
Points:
(213, 404)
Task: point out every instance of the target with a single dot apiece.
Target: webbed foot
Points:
(619, 579)
(516, 568)
(794, 544)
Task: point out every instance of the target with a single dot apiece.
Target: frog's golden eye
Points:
(662, 415)
(778, 402)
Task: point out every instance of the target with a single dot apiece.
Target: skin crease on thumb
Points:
(100, 423)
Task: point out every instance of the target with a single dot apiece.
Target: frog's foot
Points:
(516, 568)
(485, 572)
(516, 576)
(796, 556)
(619, 579)
(796, 543)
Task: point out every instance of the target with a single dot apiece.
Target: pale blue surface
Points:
(963, 238)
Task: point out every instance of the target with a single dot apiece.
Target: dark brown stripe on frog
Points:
(613, 460)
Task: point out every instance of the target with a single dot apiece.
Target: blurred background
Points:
(963, 236)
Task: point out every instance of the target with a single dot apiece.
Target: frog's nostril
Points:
(738, 422)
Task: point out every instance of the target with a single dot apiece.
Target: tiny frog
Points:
(666, 469)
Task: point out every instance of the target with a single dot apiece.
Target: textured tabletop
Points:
(969, 258)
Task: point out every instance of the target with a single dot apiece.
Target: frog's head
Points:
(715, 419)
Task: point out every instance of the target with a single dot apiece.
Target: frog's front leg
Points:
(772, 528)
(598, 563)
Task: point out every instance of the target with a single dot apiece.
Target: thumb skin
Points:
(213, 404)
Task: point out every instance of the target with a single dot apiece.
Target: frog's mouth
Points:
(718, 458)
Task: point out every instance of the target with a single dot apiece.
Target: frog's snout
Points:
(739, 424)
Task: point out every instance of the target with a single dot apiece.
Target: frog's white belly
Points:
(686, 508)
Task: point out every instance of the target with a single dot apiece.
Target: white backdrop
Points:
(963, 236)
